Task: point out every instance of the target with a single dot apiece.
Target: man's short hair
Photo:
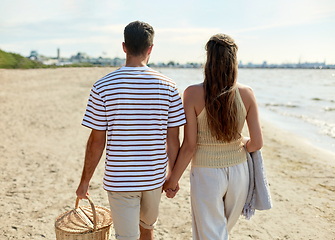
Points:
(138, 37)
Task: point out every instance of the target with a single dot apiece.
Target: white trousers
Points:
(218, 196)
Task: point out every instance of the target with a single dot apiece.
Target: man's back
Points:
(140, 111)
(135, 105)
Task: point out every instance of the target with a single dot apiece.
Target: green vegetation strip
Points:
(16, 61)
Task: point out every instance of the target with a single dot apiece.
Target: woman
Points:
(216, 111)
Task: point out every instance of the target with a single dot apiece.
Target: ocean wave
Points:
(325, 128)
(321, 99)
(329, 109)
(288, 105)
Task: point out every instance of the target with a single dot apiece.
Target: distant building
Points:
(83, 58)
(119, 62)
(80, 58)
(306, 65)
(33, 55)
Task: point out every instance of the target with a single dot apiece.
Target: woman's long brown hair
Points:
(219, 84)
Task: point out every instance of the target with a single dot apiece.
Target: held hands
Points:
(170, 188)
(171, 193)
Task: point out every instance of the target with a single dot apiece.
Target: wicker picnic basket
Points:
(84, 223)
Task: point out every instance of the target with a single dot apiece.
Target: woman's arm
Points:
(253, 122)
(190, 138)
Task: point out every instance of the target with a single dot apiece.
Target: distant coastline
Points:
(34, 60)
(305, 65)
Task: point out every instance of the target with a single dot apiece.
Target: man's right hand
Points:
(82, 190)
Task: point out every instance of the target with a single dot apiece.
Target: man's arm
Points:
(94, 149)
(173, 145)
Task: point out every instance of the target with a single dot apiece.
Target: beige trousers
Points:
(218, 196)
(131, 209)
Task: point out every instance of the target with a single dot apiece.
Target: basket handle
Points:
(93, 210)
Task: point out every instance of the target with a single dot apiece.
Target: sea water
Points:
(301, 101)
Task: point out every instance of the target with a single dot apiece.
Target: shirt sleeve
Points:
(176, 115)
(95, 115)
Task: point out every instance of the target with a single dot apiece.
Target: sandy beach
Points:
(42, 148)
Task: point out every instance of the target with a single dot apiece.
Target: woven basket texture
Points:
(84, 223)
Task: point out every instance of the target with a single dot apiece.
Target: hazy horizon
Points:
(275, 32)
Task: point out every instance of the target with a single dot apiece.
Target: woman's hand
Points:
(170, 187)
(170, 193)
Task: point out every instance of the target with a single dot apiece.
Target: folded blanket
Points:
(259, 197)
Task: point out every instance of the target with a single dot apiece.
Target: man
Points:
(140, 110)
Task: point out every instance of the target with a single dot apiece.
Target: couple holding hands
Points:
(137, 111)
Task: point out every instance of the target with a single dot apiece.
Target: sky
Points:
(276, 31)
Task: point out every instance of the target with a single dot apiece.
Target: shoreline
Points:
(301, 130)
(43, 145)
(303, 144)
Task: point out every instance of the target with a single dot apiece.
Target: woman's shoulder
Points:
(243, 87)
(194, 96)
(195, 89)
(247, 95)
(245, 90)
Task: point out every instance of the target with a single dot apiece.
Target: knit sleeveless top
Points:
(213, 153)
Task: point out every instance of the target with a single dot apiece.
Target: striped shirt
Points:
(135, 105)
